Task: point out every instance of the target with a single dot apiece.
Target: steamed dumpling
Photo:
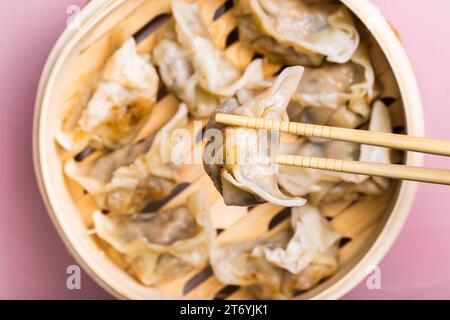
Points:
(298, 31)
(95, 174)
(313, 237)
(154, 175)
(160, 245)
(283, 265)
(336, 94)
(126, 179)
(194, 68)
(179, 76)
(302, 181)
(119, 105)
(326, 186)
(240, 160)
(334, 85)
(216, 74)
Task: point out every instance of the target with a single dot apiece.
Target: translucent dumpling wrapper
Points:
(335, 85)
(118, 107)
(95, 174)
(240, 161)
(336, 94)
(127, 179)
(214, 73)
(328, 186)
(270, 48)
(313, 238)
(280, 266)
(299, 31)
(379, 122)
(178, 74)
(161, 245)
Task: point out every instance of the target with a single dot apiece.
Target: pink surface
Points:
(33, 260)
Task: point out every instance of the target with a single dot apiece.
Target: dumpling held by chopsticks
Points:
(240, 161)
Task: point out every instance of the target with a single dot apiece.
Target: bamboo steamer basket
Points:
(369, 226)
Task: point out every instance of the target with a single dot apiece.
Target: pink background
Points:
(33, 259)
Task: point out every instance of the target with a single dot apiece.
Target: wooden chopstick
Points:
(394, 171)
(396, 141)
(381, 139)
